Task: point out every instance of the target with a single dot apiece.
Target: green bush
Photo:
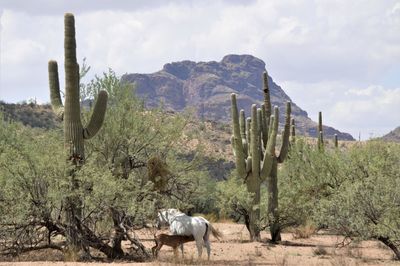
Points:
(367, 204)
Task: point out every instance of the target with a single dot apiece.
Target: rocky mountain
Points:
(205, 87)
(393, 135)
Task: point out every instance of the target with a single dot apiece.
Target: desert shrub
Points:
(307, 177)
(234, 201)
(367, 203)
(304, 231)
(132, 136)
(320, 251)
(32, 175)
(113, 186)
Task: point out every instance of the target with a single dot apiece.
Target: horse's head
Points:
(165, 217)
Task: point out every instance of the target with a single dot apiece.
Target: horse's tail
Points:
(215, 232)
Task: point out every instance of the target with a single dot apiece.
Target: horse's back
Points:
(188, 225)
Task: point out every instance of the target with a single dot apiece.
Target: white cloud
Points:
(319, 49)
(371, 111)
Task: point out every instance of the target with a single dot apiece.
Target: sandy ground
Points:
(235, 249)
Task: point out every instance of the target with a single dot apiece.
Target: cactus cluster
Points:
(321, 145)
(253, 143)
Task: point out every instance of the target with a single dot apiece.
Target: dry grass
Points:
(257, 252)
(282, 260)
(304, 231)
(320, 251)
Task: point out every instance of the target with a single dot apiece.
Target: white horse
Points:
(182, 224)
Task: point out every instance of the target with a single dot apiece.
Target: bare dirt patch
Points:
(235, 249)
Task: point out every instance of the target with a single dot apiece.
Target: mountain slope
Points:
(206, 87)
(393, 135)
(30, 114)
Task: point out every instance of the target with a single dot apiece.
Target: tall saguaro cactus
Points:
(256, 160)
(336, 141)
(74, 132)
(320, 133)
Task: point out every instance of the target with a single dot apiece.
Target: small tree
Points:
(367, 204)
(307, 177)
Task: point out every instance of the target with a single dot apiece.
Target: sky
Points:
(336, 56)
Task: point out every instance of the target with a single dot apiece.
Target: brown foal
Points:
(173, 241)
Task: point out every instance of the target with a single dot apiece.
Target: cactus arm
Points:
(242, 124)
(271, 125)
(259, 122)
(285, 135)
(254, 144)
(265, 122)
(269, 154)
(248, 134)
(249, 163)
(267, 98)
(97, 118)
(54, 85)
(240, 155)
(260, 129)
(293, 131)
(233, 145)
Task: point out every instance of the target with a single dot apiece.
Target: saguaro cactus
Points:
(320, 132)
(336, 141)
(256, 161)
(74, 132)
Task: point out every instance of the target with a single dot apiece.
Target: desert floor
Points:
(235, 249)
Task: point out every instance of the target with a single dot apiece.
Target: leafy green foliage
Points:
(234, 201)
(131, 135)
(367, 204)
(354, 192)
(31, 180)
(35, 177)
(308, 176)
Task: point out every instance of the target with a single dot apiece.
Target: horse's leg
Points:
(183, 256)
(207, 242)
(176, 253)
(199, 244)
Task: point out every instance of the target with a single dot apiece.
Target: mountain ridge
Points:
(206, 86)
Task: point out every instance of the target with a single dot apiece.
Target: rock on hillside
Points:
(393, 135)
(206, 87)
